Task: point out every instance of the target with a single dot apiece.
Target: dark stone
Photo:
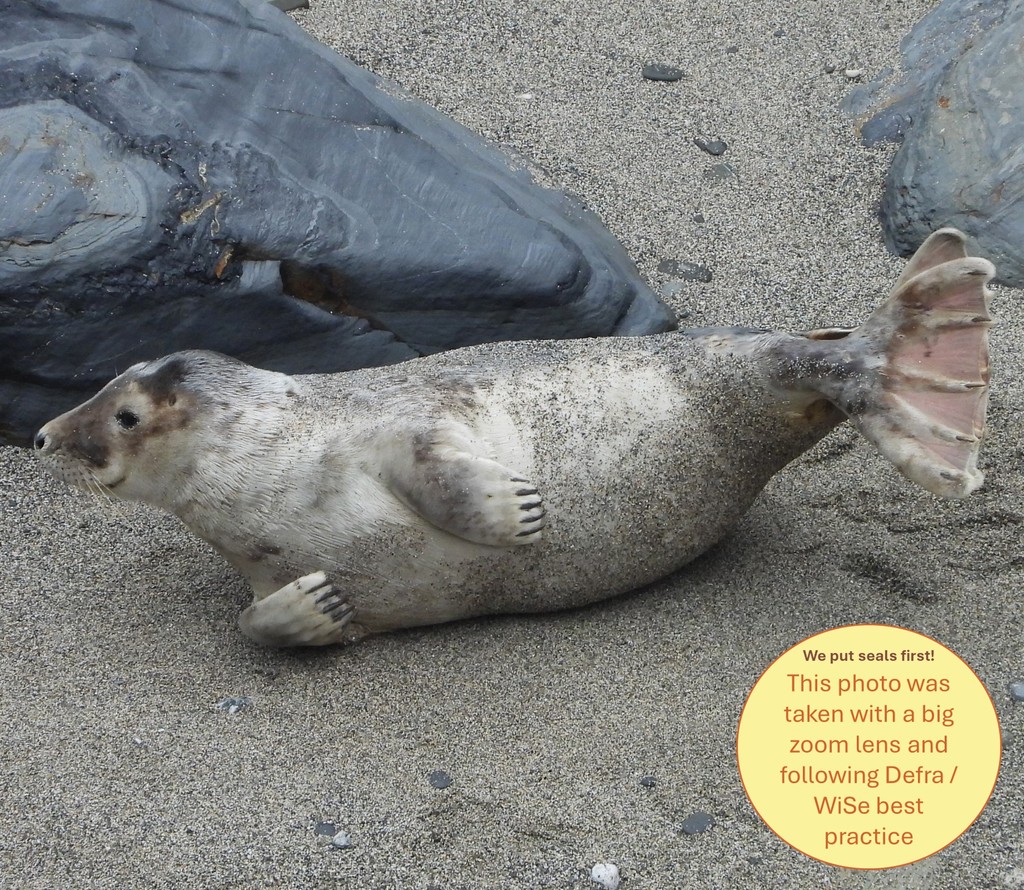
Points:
(698, 823)
(325, 829)
(657, 71)
(232, 704)
(959, 111)
(648, 782)
(732, 49)
(685, 271)
(723, 172)
(714, 147)
(778, 32)
(440, 779)
(180, 174)
(1016, 690)
(698, 217)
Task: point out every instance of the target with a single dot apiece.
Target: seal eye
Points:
(126, 419)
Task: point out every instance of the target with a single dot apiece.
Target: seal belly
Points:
(645, 455)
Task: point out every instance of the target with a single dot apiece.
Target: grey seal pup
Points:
(524, 476)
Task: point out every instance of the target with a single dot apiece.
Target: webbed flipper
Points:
(934, 384)
(914, 377)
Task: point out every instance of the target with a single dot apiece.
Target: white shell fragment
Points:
(606, 874)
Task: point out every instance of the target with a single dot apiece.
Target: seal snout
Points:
(40, 441)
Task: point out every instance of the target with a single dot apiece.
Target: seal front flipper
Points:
(310, 611)
(442, 475)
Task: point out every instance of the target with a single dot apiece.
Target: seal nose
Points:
(40, 441)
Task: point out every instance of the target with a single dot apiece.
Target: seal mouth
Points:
(76, 474)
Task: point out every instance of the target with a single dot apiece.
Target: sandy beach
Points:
(117, 627)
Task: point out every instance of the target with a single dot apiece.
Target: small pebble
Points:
(440, 779)
(714, 147)
(325, 829)
(698, 823)
(342, 840)
(853, 73)
(830, 67)
(648, 781)
(1017, 690)
(732, 50)
(778, 32)
(698, 217)
(723, 172)
(232, 704)
(657, 71)
(685, 271)
(606, 874)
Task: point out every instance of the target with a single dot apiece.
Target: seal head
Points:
(137, 438)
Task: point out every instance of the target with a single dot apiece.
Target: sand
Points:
(117, 627)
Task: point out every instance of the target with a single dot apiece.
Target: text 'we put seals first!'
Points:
(868, 746)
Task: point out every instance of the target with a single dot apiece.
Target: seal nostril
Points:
(40, 441)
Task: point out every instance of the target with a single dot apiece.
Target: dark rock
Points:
(778, 32)
(325, 829)
(648, 782)
(232, 704)
(1016, 690)
(179, 174)
(959, 110)
(440, 779)
(723, 172)
(685, 271)
(732, 49)
(714, 147)
(657, 71)
(698, 823)
(698, 217)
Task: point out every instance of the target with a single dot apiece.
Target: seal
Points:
(524, 476)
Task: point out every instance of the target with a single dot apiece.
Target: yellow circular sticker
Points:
(868, 746)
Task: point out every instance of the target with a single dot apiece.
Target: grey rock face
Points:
(959, 111)
(184, 174)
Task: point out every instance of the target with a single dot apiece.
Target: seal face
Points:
(523, 476)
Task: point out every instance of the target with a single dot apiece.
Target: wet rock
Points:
(185, 175)
(714, 147)
(698, 823)
(657, 71)
(722, 173)
(440, 779)
(232, 704)
(959, 111)
(685, 271)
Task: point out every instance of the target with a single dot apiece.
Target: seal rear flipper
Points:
(914, 377)
(440, 475)
(930, 414)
